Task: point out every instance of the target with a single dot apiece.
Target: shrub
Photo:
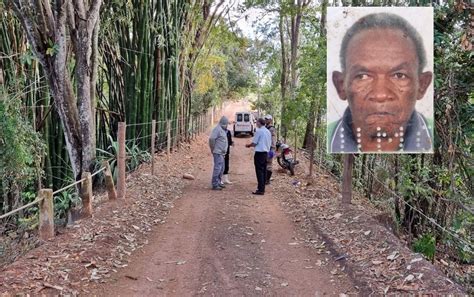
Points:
(426, 245)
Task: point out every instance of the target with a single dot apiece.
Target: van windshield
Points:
(239, 117)
(246, 117)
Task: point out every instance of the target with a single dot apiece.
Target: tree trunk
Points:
(284, 75)
(42, 27)
(347, 179)
(309, 132)
(295, 38)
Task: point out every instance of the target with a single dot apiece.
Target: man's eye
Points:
(362, 76)
(400, 75)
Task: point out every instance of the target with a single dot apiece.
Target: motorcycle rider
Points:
(269, 124)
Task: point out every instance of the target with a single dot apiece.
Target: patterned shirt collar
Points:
(416, 138)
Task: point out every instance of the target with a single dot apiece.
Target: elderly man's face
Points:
(381, 81)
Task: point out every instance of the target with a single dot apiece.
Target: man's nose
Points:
(381, 90)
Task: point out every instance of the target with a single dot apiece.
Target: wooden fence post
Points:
(347, 179)
(311, 154)
(195, 131)
(200, 124)
(176, 136)
(212, 116)
(121, 191)
(189, 130)
(86, 194)
(153, 132)
(296, 140)
(109, 181)
(46, 214)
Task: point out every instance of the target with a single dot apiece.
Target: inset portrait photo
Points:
(380, 80)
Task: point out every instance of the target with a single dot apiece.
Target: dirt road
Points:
(227, 243)
(176, 237)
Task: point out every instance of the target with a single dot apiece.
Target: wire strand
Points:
(37, 200)
(431, 220)
(138, 124)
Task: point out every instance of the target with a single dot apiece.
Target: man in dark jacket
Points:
(225, 177)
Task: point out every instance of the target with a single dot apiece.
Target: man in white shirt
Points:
(262, 142)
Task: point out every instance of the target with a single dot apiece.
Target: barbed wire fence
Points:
(169, 139)
(466, 246)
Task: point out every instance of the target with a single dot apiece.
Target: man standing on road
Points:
(225, 177)
(262, 142)
(218, 144)
(269, 125)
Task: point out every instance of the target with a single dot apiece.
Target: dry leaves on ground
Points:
(373, 256)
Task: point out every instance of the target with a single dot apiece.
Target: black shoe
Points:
(258, 193)
(216, 188)
(222, 185)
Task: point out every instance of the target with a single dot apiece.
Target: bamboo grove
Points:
(151, 58)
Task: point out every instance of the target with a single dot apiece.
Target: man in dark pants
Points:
(225, 177)
(262, 142)
(269, 125)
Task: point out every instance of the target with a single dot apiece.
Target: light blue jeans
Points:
(218, 169)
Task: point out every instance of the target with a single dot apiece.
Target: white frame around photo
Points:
(339, 20)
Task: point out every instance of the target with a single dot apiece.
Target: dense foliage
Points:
(428, 197)
(21, 151)
(162, 60)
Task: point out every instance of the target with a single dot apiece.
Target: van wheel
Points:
(251, 134)
(236, 134)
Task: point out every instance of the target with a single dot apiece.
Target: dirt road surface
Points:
(227, 243)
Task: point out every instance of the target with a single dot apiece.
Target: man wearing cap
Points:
(262, 142)
(218, 145)
(269, 124)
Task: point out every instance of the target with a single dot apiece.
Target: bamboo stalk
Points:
(121, 187)
(153, 134)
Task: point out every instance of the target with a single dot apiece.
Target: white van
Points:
(244, 123)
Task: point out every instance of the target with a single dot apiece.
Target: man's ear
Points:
(338, 81)
(423, 83)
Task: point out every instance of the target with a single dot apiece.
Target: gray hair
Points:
(384, 21)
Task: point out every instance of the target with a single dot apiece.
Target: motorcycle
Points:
(285, 158)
